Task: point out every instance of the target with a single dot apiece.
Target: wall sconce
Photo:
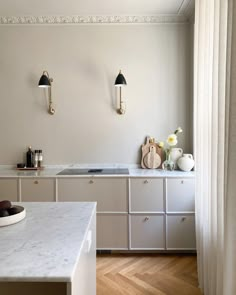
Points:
(46, 82)
(120, 82)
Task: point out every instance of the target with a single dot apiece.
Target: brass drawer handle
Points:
(36, 182)
(91, 181)
(146, 181)
(146, 218)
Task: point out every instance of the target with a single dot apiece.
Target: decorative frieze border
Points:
(77, 19)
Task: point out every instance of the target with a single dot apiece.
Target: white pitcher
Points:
(186, 162)
(175, 154)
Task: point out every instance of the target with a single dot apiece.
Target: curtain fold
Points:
(230, 219)
(214, 113)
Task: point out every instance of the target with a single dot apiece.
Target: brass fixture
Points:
(121, 110)
(46, 82)
(120, 82)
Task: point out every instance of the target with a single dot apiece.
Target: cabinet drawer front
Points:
(112, 231)
(110, 194)
(180, 195)
(8, 189)
(147, 232)
(37, 190)
(181, 232)
(146, 195)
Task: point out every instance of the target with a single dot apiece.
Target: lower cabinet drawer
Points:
(147, 231)
(8, 189)
(110, 194)
(181, 232)
(37, 190)
(112, 231)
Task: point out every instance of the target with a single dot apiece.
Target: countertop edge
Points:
(133, 173)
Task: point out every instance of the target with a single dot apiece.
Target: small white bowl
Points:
(8, 220)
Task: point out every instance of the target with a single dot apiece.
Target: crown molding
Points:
(77, 19)
(187, 8)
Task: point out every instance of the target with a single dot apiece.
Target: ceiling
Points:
(96, 7)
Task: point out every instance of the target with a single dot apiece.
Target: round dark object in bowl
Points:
(5, 204)
(21, 165)
(3, 213)
(14, 210)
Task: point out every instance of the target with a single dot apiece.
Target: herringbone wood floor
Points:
(147, 274)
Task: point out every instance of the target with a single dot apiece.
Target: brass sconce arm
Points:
(121, 109)
(51, 109)
(120, 82)
(46, 82)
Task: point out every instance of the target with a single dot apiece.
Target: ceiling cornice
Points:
(77, 19)
(187, 8)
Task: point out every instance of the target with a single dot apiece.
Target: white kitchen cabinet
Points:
(180, 195)
(147, 232)
(168, 222)
(109, 193)
(146, 195)
(181, 232)
(112, 231)
(37, 189)
(134, 213)
(8, 189)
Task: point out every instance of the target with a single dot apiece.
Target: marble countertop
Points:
(46, 245)
(53, 170)
(159, 173)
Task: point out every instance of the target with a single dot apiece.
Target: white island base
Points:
(51, 252)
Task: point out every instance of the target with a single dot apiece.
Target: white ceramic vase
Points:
(175, 154)
(186, 162)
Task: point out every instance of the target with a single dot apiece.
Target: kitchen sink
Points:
(93, 171)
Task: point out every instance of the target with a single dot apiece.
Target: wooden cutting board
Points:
(152, 155)
(152, 160)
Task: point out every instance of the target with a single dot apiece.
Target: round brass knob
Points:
(146, 181)
(146, 218)
(91, 181)
(36, 182)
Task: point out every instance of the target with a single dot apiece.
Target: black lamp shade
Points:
(120, 80)
(44, 81)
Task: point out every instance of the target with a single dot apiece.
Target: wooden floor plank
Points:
(147, 274)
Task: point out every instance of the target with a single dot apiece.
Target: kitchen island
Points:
(52, 251)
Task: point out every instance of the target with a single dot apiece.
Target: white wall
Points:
(84, 61)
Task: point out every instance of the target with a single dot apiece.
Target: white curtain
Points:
(215, 144)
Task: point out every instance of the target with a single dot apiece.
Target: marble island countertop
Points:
(53, 170)
(46, 245)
